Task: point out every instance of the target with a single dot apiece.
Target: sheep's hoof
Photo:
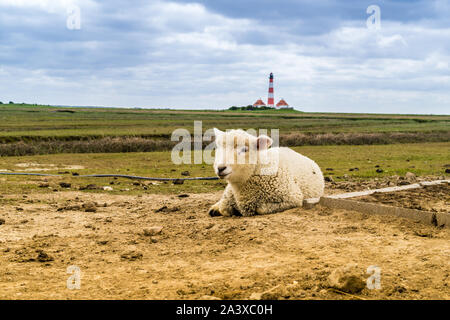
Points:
(236, 212)
(214, 213)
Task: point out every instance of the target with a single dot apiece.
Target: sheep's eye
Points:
(243, 149)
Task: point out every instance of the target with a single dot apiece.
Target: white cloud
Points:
(51, 6)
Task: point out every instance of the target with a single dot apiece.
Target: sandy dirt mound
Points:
(166, 247)
(429, 198)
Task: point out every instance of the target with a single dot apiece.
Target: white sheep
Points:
(261, 179)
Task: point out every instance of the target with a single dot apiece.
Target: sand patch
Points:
(32, 166)
(195, 255)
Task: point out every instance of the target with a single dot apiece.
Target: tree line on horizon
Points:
(251, 107)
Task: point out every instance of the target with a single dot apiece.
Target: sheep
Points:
(261, 180)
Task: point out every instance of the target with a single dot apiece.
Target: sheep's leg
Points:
(272, 207)
(293, 201)
(226, 205)
(248, 212)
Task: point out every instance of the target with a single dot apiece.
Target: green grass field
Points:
(24, 122)
(30, 129)
(421, 159)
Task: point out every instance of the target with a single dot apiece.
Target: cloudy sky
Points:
(219, 53)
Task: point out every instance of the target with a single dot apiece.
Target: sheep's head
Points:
(238, 153)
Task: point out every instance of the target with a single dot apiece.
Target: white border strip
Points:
(389, 189)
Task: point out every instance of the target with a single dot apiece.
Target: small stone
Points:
(178, 181)
(423, 233)
(380, 171)
(162, 209)
(131, 255)
(183, 195)
(65, 185)
(107, 188)
(348, 279)
(152, 231)
(166, 209)
(272, 294)
(410, 176)
(329, 179)
(44, 185)
(90, 207)
(89, 187)
(70, 208)
(185, 173)
(43, 256)
(399, 289)
(447, 170)
(255, 296)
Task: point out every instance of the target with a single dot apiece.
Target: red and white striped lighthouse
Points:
(270, 100)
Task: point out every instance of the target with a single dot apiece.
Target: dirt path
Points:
(195, 255)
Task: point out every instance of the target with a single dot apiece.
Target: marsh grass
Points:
(33, 130)
(140, 144)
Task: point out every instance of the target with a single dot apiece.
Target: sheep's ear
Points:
(217, 132)
(264, 142)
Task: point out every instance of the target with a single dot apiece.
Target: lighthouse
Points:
(270, 100)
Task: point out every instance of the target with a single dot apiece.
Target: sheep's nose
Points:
(220, 169)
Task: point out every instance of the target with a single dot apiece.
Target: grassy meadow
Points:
(22, 122)
(29, 129)
(397, 159)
